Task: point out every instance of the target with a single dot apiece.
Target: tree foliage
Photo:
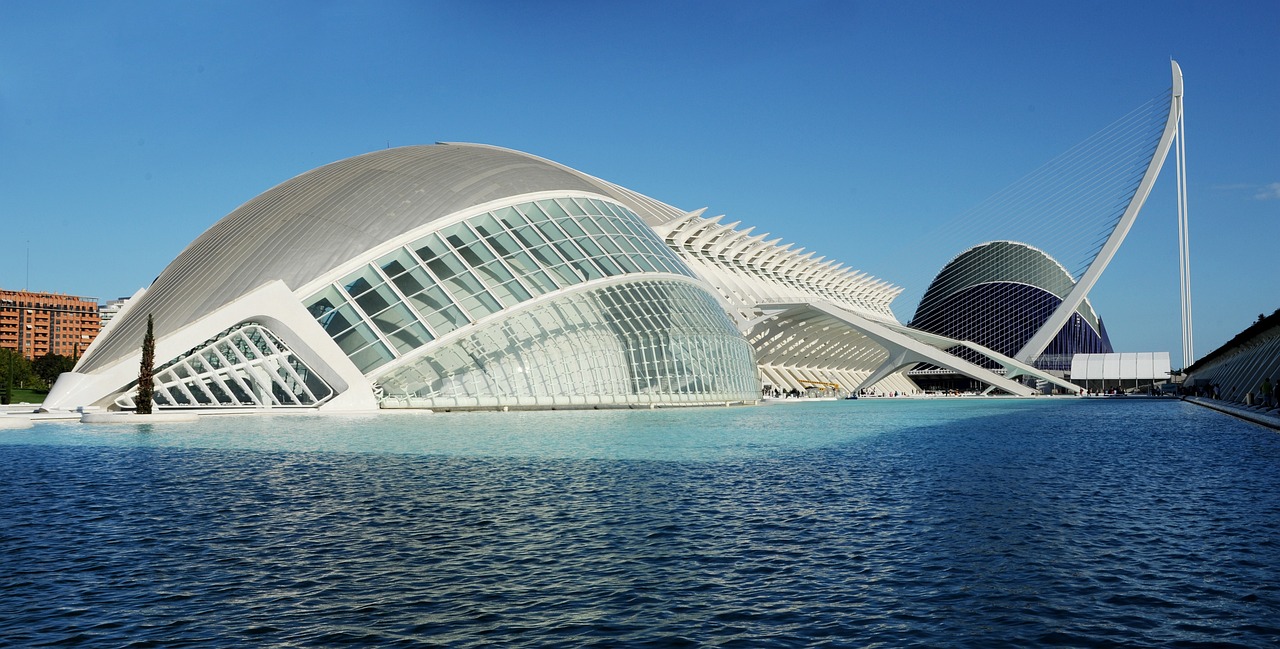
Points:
(146, 370)
(49, 366)
(16, 373)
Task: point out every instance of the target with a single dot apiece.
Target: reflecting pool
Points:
(958, 522)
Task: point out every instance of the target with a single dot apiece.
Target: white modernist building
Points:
(446, 276)
(462, 276)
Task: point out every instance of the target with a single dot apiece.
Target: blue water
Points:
(963, 522)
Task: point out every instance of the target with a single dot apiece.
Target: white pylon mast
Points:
(1184, 232)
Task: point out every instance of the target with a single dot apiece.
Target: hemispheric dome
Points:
(305, 226)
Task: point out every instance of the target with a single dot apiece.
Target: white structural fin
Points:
(1045, 334)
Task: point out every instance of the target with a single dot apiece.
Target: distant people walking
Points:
(1266, 392)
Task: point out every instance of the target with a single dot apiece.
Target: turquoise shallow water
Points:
(961, 522)
(683, 434)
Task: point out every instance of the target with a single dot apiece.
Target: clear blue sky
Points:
(128, 128)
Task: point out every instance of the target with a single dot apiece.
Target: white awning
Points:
(1120, 366)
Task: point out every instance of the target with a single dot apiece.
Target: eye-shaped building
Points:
(443, 276)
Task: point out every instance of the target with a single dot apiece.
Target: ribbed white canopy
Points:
(306, 226)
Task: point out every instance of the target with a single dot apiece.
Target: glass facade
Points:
(650, 341)
(245, 366)
(498, 260)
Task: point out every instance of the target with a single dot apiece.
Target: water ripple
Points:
(997, 524)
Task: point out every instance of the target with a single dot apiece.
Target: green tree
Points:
(15, 372)
(6, 383)
(49, 366)
(146, 370)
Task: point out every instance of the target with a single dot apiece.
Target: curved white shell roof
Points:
(306, 226)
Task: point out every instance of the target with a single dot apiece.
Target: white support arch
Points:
(1045, 334)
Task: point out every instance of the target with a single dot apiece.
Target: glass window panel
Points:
(569, 251)
(599, 206)
(476, 254)
(464, 285)
(430, 300)
(587, 269)
(671, 265)
(589, 224)
(624, 262)
(340, 320)
(503, 295)
(397, 262)
(410, 338)
(325, 301)
(522, 263)
(627, 244)
(509, 217)
(237, 393)
(371, 357)
(564, 275)
(246, 349)
(481, 305)
(377, 299)
(610, 225)
(201, 396)
(224, 348)
(589, 246)
(414, 281)
(494, 273)
(607, 244)
(622, 212)
(546, 256)
(394, 318)
(517, 291)
(504, 244)
(446, 320)
(572, 228)
(529, 237)
(551, 232)
(540, 282)
(354, 339)
(607, 266)
(218, 393)
(553, 209)
(649, 245)
(360, 281)
(458, 234)
(585, 205)
(571, 206)
(533, 213)
(446, 266)
(486, 225)
(429, 247)
(510, 293)
(630, 228)
(644, 263)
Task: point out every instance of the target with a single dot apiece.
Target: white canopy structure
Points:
(1120, 369)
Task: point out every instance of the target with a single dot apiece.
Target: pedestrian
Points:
(1266, 392)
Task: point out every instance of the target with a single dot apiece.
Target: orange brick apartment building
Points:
(35, 324)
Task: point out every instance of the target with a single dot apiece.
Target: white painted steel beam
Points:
(1045, 334)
